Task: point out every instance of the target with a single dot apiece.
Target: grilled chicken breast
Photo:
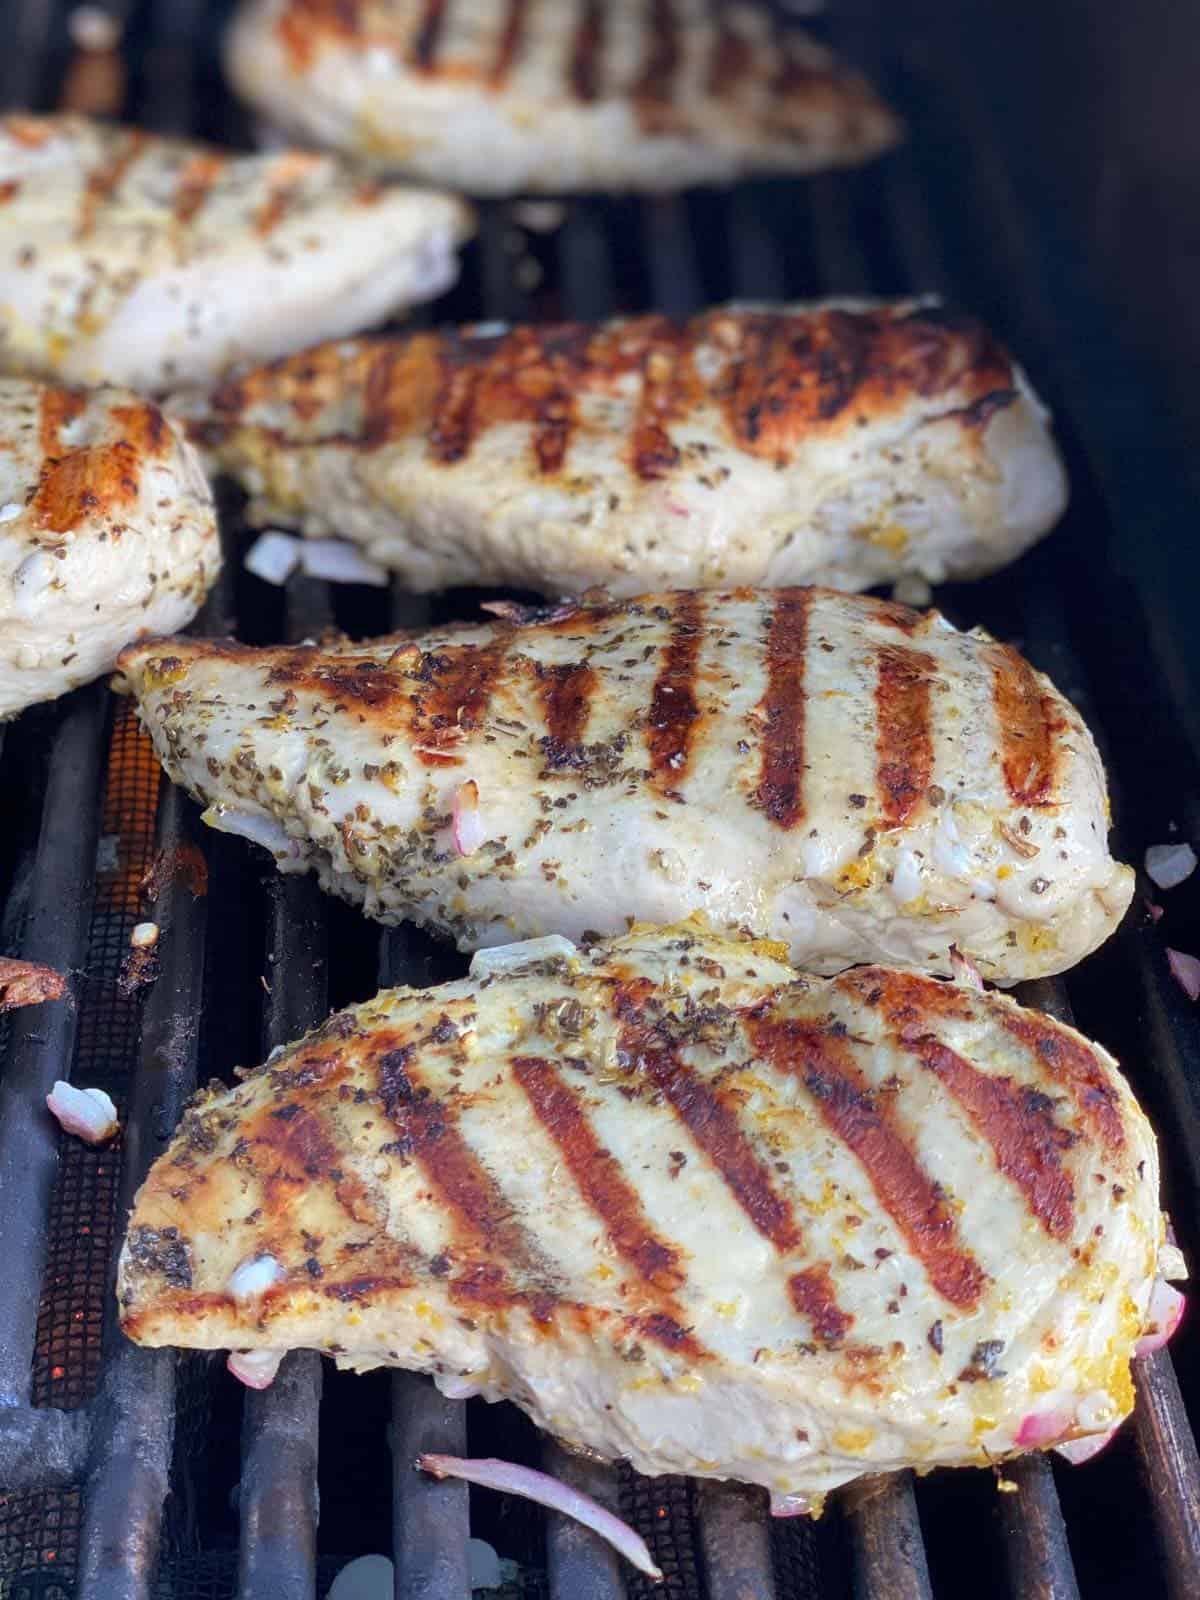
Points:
(107, 534)
(859, 781)
(129, 258)
(836, 443)
(506, 96)
(937, 1212)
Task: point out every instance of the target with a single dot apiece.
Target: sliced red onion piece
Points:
(87, 1113)
(964, 969)
(557, 1496)
(1170, 864)
(1185, 970)
(1163, 1316)
(1041, 1428)
(507, 957)
(469, 832)
(791, 1505)
(1077, 1451)
(1154, 912)
(273, 557)
(255, 1368)
(338, 561)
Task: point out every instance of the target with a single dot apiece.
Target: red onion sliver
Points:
(551, 1492)
(255, 1368)
(1041, 1428)
(964, 969)
(791, 1505)
(1185, 970)
(1154, 912)
(1164, 1314)
(469, 832)
(1077, 1451)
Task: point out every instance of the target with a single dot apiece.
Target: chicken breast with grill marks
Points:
(857, 780)
(130, 258)
(683, 1207)
(846, 444)
(505, 96)
(107, 534)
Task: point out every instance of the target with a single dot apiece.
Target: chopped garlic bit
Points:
(87, 1113)
(1169, 864)
(273, 557)
(338, 561)
(255, 1368)
(506, 957)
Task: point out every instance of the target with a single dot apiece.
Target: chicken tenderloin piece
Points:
(107, 534)
(685, 1208)
(506, 97)
(854, 779)
(130, 258)
(845, 444)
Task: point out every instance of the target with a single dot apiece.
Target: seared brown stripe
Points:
(284, 181)
(455, 685)
(566, 692)
(402, 379)
(917, 1205)
(1017, 1120)
(1071, 1063)
(510, 42)
(9, 190)
(673, 707)
(780, 790)
(812, 1295)
(732, 58)
(452, 429)
(709, 1118)
(1029, 727)
(598, 1174)
(428, 35)
(903, 739)
(194, 185)
(583, 72)
(653, 89)
(56, 409)
(75, 486)
(103, 182)
(670, 389)
(426, 1132)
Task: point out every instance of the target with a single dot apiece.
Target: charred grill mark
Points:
(825, 1064)
(1071, 1063)
(674, 710)
(428, 35)
(284, 183)
(57, 408)
(598, 1174)
(426, 1132)
(1029, 727)
(602, 1184)
(780, 790)
(103, 183)
(365, 684)
(670, 389)
(195, 184)
(730, 64)
(9, 190)
(903, 739)
(142, 426)
(510, 43)
(583, 72)
(566, 692)
(1015, 1119)
(652, 92)
(454, 687)
(452, 430)
(400, 379)
(85, 483)
(711, 1121)
(813, 1296)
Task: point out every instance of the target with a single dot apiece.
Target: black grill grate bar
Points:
(134, 1413)
(886, 1550)
(735, 1540)
(42, 1039)
(277, 1497)
(581, 1566)
(1171, 1470)
(430, 1518)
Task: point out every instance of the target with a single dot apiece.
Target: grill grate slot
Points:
(940, 214)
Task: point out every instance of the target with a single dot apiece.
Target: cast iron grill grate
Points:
(127, 1478)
